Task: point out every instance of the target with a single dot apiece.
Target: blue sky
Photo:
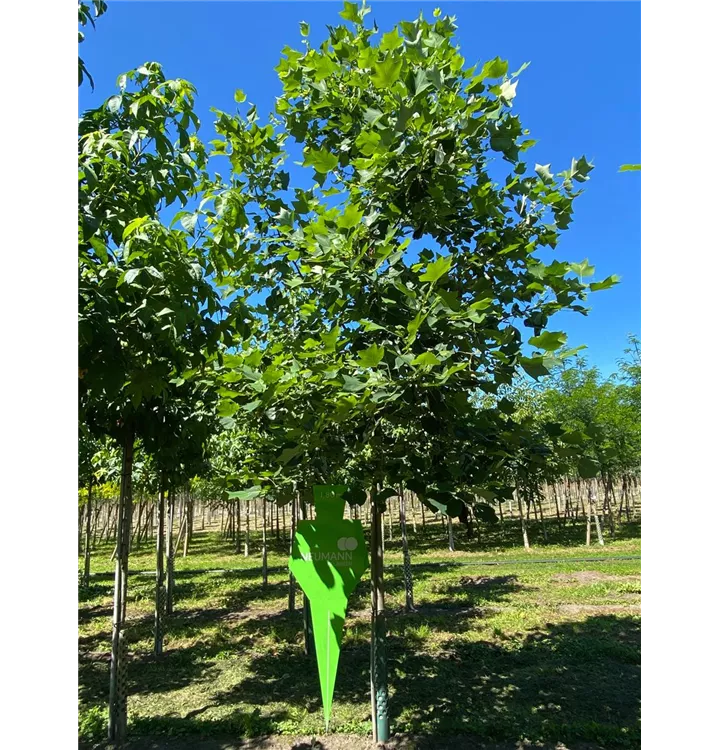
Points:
(580, 95)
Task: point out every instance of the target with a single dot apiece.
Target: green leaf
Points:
(434, 271)
(322, 161)
(387, 72)
(239, 96)
(583, 268)
(630, 168)
(542, 170)
(134, 225)
(390, 41)
(495, 68)
(249, 494)
(350, 218)
(427, 359)
(372, 356)
(607, 283)
(352, 384)
(304, 28)
(351, 12)
(588, 467)
(549, 341)
(371, 115)
(421, 81)
(534, 366)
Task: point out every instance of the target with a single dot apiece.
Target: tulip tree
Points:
(408, 275)
(148, 304)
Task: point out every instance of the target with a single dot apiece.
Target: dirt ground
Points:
(337, 742)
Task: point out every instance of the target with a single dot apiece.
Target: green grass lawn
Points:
(545, 653)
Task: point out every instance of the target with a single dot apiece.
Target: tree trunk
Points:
(169, 552)
(306, 608)
(188, 510)
(524, 531)
(264, 541)
(246, 531)
(160, 592)
(537, 502)
(117, 725)
(607, 506)
(408, 581)
(592, 506)
(88, 534)
(182, 533)
(450, 532)
(558, 508)
(380, 692)
(292, 530)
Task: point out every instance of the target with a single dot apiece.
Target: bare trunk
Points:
(592, 505)
(88, 534)
(537, 502)
(169, 552)
(380, 693)
(292, 530)
(408, 581)
(264, 541)
(246, 531)
(524, 531)
(117, 725)
(160, 592)
(450, 532)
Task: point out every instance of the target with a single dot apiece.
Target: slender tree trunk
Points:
(88, 534)
(306, 607)
(380, 690)
(169, 552)
(188, 510)
(117, 725)
(182, 533)
(524, 531)
(160, 591)
(558, 509)
(450, 532)
(608, 507)
(264, 541)
(592, 506)
(537, 502)
(408, 580)
(413, 513)
(292, 530)
(246, 531)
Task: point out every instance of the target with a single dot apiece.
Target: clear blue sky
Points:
(580, 95)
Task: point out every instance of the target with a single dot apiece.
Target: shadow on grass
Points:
(571, 682)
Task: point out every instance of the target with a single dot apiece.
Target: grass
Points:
(542, 653)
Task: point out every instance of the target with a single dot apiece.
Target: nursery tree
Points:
(405, 277)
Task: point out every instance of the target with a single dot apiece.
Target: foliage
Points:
(148, 294)
(84, 16)
(402, 279)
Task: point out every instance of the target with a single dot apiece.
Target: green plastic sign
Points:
(329, 556)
